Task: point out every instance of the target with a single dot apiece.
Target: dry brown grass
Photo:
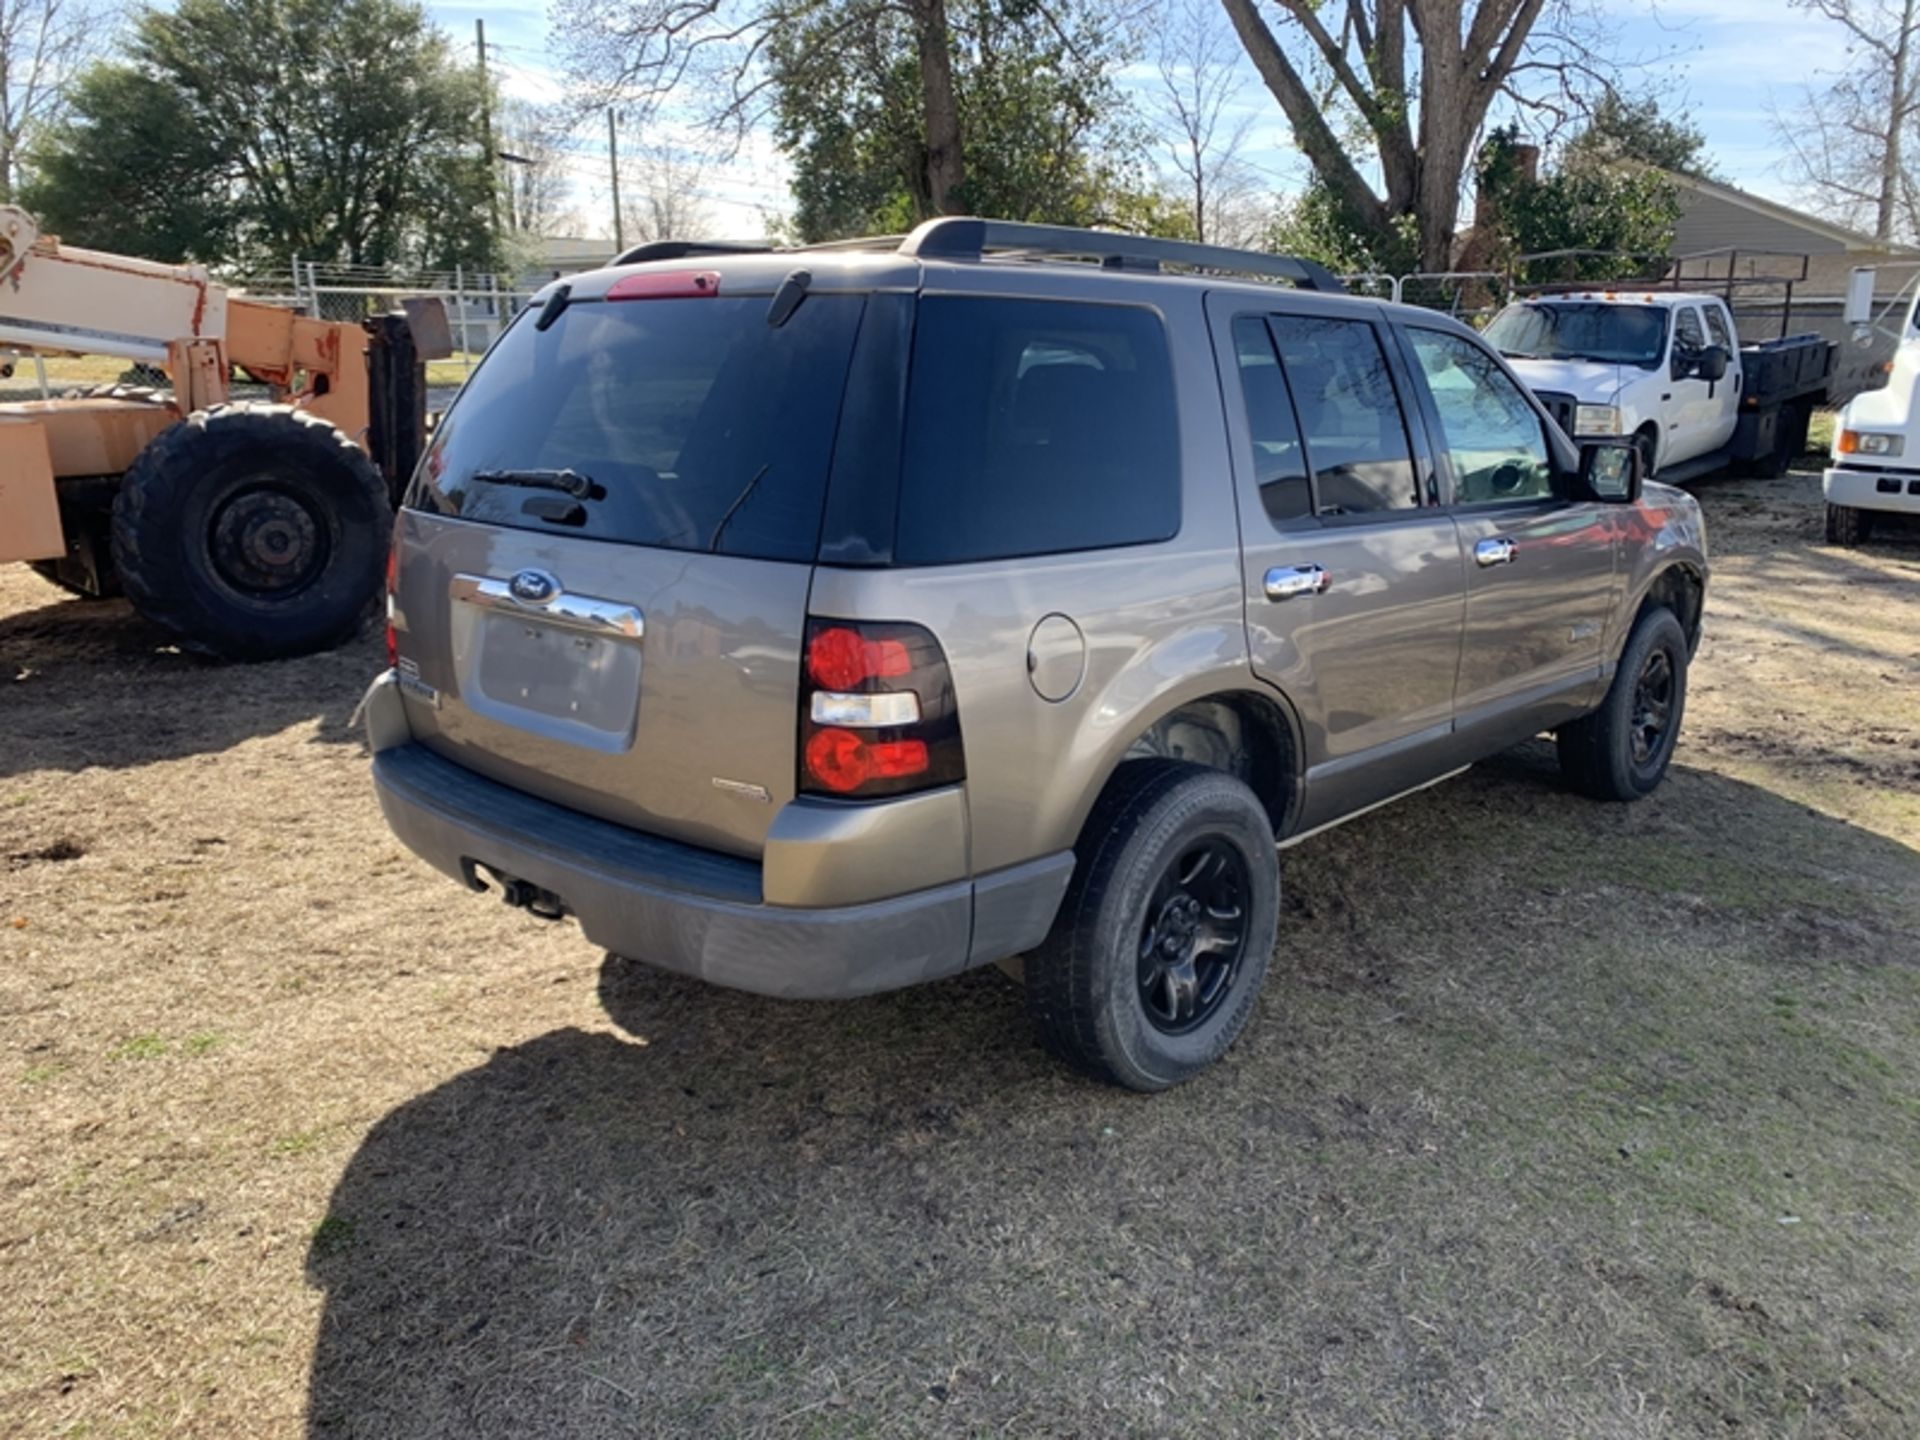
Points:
(1557, 1119)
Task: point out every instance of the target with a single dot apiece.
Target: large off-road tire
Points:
(1621, 751)
(1161, 944)
(1848, 526)
(252, 531)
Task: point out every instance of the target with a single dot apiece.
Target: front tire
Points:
(1164, 937)
(1647, 441)
(252, 532)
(1621, 751)
(1848, 526)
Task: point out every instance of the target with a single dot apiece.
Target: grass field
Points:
(1556, 1119)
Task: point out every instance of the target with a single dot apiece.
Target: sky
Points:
(1724, 61)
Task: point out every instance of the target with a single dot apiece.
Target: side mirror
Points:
(1610, 471)
(1712, 364)
(1860, 285)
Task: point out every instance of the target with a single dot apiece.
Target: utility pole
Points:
(613, 174)
(486, 128)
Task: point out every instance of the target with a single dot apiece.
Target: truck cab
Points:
(1662, 369)
(1874, 469)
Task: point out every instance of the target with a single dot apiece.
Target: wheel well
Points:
(1244, 734)
(1680, 590)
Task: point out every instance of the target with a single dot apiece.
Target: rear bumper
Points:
(698, 912)
(1897, 490)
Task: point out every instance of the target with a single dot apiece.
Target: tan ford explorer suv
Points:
(824, 621)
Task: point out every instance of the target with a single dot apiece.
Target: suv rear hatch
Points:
(603, 562)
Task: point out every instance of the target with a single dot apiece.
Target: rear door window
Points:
(1036, 427)
(1718, 329)
(688, 424)
(1349, 414)
(1279, 461)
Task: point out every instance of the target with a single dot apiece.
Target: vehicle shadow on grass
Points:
(92, 683)
(1414, 1190)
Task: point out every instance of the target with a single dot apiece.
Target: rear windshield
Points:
(688, 424)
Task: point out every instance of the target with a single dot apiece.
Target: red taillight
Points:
(851, 748)
(666, 285)
(843, 762)
(840, 658)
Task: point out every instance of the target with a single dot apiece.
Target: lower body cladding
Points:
(695, 911)
(1897, 490)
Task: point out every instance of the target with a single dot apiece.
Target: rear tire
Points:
(1166, 931)
(1848, 526)
(1621, 751)
(252, 531)
(1789, 442)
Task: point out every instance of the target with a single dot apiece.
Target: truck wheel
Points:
(1647, 442)
(252, 531)
(1164, 936)
(1789, 440)
(1621, 750)
(1848, 526)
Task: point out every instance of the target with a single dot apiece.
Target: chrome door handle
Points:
(1283, 582)
(1497, 550)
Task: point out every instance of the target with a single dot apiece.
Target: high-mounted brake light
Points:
(665, 285)
(877, 713)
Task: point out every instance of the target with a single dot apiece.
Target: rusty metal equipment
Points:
(249, 529)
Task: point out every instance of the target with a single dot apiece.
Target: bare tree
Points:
(1847, 145)
(1420, 128)
(1200, 82)
(661, 186)
(42, 44)
(529, 140)
(642, 54)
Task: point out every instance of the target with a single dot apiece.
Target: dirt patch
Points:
(1557, 1118)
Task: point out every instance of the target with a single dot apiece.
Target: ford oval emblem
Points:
(536, 587)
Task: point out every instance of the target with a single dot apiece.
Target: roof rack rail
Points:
(683, 249)
(957, 237)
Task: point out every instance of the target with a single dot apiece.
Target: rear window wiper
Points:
(567, 482)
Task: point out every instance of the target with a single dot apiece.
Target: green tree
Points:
(246, 131)
(1620, 129)
(1044, 134)
(1622, 213)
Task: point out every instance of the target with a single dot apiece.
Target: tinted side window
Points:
(1717, 327)
(1279, 464)
(1349, 414)
(1687, 334)
(1494, 440)
(1034, 427)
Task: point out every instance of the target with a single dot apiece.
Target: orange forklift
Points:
(250, 530)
